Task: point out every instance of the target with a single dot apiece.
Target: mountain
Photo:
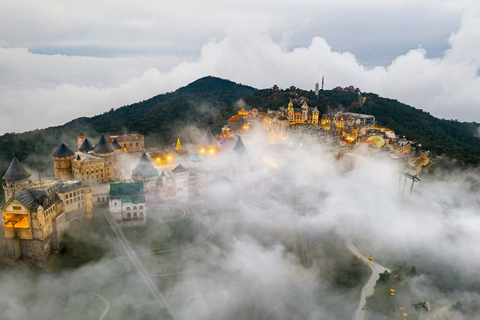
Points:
(210, 101)
(205, 102)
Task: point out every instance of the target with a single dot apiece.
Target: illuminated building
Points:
(208, 145)
(132, 142)
(127, 204)
(91, 165)
(35, 218)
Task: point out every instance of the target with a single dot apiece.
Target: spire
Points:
(208, 139)
(86, 146)
(305, 105)
(179, 146)
(16, 171)
(116, 145)
(63, 151)
(239, 152)
(102, 146)
(145, 167)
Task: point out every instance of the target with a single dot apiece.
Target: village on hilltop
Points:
(118, 171)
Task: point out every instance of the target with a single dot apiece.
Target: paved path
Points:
(367, 289)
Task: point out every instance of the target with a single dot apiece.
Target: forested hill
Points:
(211, 101)
(208, 101)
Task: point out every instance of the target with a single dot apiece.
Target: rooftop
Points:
(16, 171)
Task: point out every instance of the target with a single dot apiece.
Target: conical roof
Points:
(208, 138)
(102, 146)
(179, 169)
(239, 152)
(145, 168)
(86, 146)
(239, 147)
(63, 151)
(116, 145)
(16, 171)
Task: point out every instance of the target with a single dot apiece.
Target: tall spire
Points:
(102, 146)
(178, 146)
(208, 138)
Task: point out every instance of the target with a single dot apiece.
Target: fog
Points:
(268, 244)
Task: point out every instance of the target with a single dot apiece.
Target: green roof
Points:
(126, 189)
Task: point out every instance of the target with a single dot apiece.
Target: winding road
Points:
(367, 289)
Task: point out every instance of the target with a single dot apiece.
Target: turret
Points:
(62, 162)
(16, 179)
(104, 150)
(315, 115)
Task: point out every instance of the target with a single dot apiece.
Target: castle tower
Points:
(305, 112)
(104, 150)
(85, 146)
(16, 179)
(290, 112)
(146, 172)
(80, 140)
(62, 162)
(315, 115)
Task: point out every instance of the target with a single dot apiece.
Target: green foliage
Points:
(452, 138)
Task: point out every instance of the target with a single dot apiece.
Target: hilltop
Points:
(210, 101)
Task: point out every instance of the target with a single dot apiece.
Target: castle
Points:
(37, 213)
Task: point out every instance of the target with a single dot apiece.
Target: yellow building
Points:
(35, 218)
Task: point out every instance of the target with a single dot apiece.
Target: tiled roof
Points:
(102, 146)
(208, 139)
(63, 151)
(179, 169)
(145, 168)
(86, 146)
(16, 171)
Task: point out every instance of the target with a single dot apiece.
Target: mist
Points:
(268, 243)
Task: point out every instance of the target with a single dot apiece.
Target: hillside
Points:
(205, 102)
(211, 101)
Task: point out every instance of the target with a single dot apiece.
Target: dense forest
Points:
(211, 101)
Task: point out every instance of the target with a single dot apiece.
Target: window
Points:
(128, 215)
(141, 208)
(66, 196)
(83, 204)
(137, 144)
(135, 214)
(134, 208)
(128, 209)
(17, 208)
(141, 214)
(74, 199)
(79, 205)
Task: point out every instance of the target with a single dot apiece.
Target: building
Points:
(16, 179)
(132, 142)
(62, 162)
(91, 165)
(302, 115)
(127, 204)
(146, 173)
(36, 218)
(88, 169)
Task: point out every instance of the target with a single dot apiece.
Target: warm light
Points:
(169, 158)
(212, 150)
(202, 150)
(158, 159)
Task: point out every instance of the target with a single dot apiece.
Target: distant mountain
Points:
(210, 101)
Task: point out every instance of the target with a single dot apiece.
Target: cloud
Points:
(39, 90)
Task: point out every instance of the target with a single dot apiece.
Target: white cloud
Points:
(44, 90)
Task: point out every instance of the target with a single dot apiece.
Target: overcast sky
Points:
(60, 60)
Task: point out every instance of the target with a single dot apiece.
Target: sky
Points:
(60, 60)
